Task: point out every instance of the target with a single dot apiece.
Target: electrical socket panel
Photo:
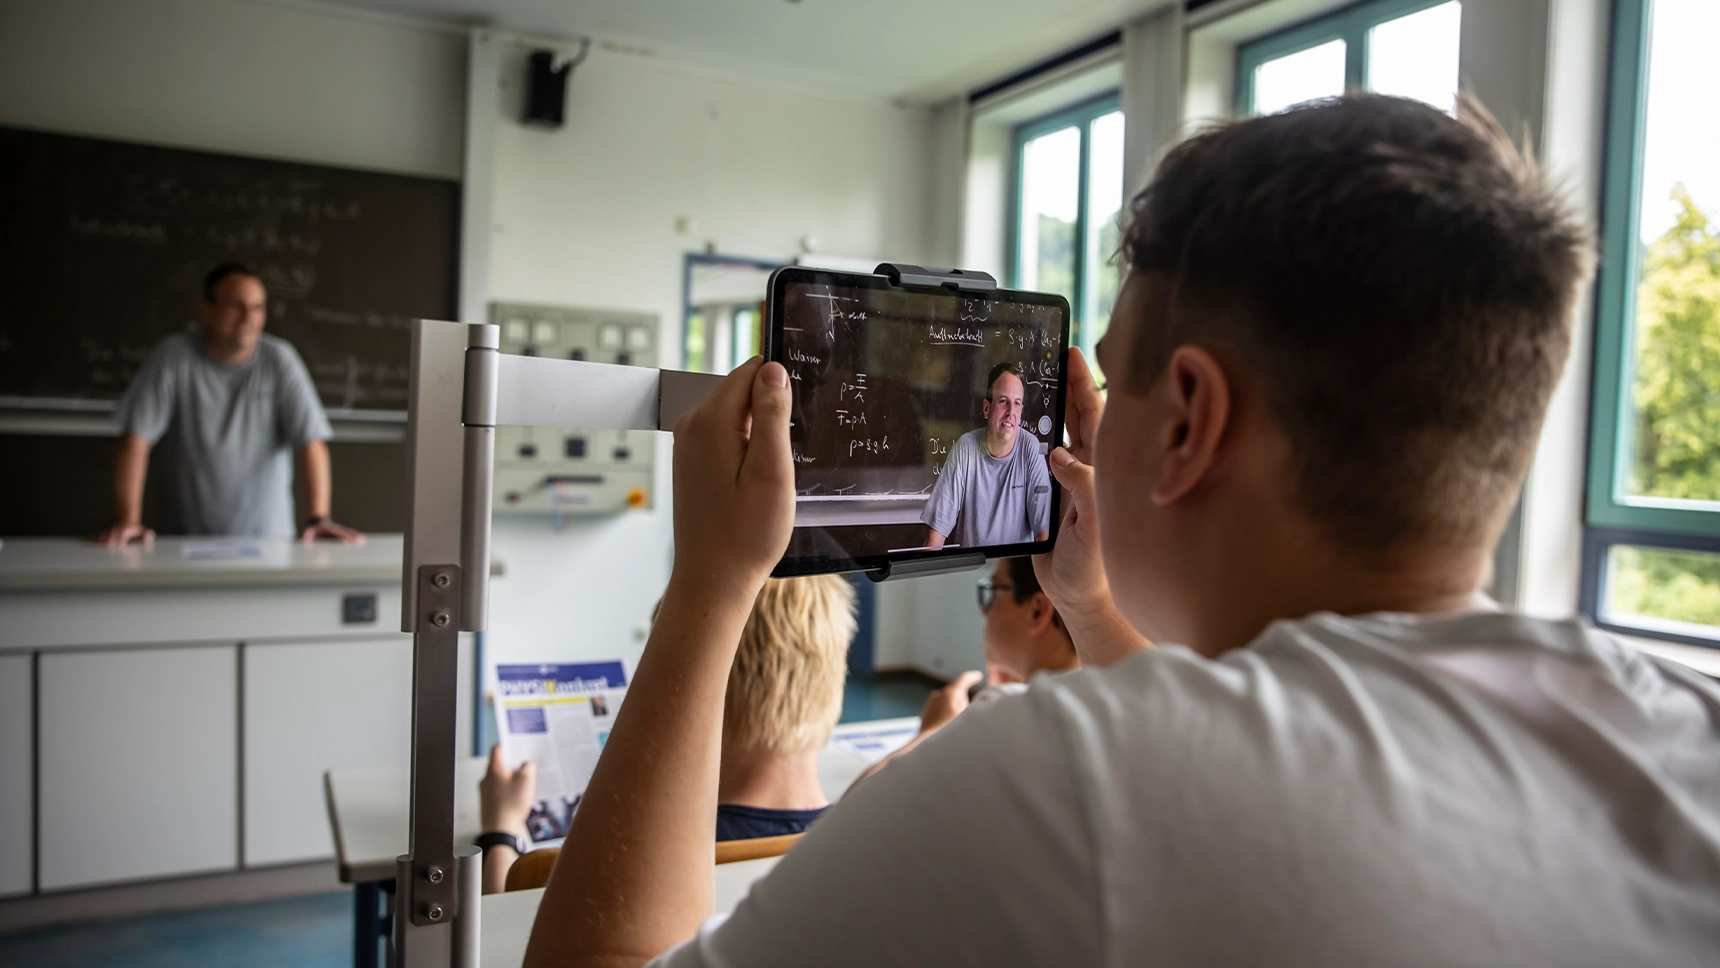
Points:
(574, 471)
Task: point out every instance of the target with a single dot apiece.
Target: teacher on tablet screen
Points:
(995, 488)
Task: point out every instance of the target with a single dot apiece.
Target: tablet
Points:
(922, 419)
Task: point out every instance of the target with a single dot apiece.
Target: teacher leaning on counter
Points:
(230, 402)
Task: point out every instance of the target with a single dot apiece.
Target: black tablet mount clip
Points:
(928, 566)
(904, 276)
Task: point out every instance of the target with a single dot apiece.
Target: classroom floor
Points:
(886, 695)
(301, 932)
(313, 931)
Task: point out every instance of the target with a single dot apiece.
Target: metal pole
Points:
(461, 390)
(469, 877)
(478, 415)
(428, 905)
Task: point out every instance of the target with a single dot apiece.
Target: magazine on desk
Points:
(558, 715)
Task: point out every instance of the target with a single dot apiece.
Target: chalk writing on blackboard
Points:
(349, 258)
(955, 336)
(866, 445)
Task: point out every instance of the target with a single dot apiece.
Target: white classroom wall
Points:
(240, 77)
(585, 215)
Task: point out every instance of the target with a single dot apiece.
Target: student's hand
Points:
(124, 534)
(505, 796)
(947, 703)
(734, 481)
(327, 528)
(941, 706)
(1073, 571)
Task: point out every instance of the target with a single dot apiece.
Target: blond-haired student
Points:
(784, 697)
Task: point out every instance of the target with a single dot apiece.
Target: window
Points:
(1069, 200)
(1651, 558)
(721, 337)
(722, 309)
(1402, 47)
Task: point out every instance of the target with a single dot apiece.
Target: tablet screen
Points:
(922, 418)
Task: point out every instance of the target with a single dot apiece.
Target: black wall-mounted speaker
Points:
(546, 89)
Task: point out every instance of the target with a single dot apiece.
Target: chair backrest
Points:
(532, 870)
(729, 851)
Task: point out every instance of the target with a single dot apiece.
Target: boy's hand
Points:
(946, 703)
(505, 796)
(1072, 572)
(734, 480)
(1083, 406)
(941, 706)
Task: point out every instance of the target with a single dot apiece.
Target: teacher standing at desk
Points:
(231, 402)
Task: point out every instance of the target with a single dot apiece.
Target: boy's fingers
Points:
(965, 681)
(768, 453)
(1082, 405)
(727, 406)
(1072, 473)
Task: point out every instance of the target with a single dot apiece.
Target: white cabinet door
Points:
(16, 786)
(139, 764)
(311, 707)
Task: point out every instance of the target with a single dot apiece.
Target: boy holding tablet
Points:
(1331, 360)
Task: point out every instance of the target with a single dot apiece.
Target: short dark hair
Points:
(212, 279)
(997, 371)
(1402, 281)
(1026, 585)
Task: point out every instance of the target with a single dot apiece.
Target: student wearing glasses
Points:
(1024, 636)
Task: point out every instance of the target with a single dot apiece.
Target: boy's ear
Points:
(1197, 395)
(1043, 610)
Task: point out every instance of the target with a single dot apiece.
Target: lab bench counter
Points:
(57, 564)
(171, 710)
(68, 592)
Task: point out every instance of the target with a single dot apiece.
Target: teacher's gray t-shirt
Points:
(980, 501)
(229, 431)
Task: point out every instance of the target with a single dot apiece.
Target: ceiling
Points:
(915, 50)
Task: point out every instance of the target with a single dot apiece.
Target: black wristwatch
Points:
(499, 838)
(317, 519)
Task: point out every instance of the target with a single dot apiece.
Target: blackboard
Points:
(103, 246)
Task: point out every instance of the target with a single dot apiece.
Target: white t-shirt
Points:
(1391, 790)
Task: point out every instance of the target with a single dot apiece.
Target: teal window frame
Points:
(1350, 25)
(1615, 301)
(1079, 116)
(1612, 517)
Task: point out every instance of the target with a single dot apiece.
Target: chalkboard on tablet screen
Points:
(103, 246)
